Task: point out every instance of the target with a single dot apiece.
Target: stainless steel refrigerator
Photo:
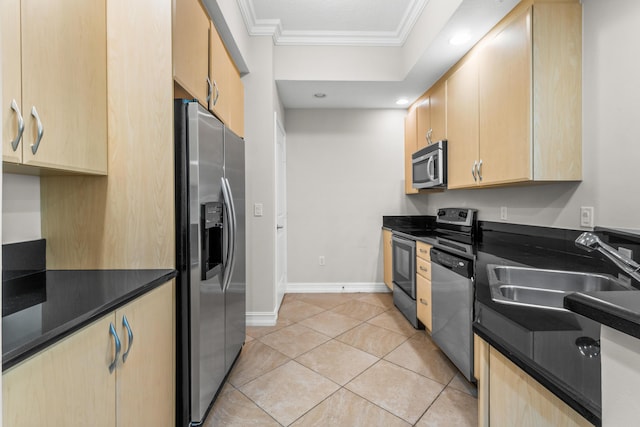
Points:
(210, 257)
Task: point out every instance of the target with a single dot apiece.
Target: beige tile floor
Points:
(342, 360)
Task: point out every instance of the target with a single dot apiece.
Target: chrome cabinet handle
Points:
(35, 145)
(473, 170)
(480, 170)
(215, 99)
(209, 89)
(424, 269)
(424, 251)
(125, 323)
(16, 141)
(429, 133)
(112, 331)
(423, 301)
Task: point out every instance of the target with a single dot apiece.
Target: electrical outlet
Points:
(257, 209)
(625, 252)
(586, 216)
(321, 260)
(503, 213)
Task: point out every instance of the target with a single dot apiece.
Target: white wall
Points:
(260, 102)
(20, 208)
(344, 172)
(345, 167)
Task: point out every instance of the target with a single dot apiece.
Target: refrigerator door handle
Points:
(226, 276)
(234, 230)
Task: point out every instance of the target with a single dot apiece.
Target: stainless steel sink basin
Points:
(532, 287)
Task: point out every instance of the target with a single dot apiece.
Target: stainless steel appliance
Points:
(452, 296)
(404, 277)
(452, 286)
(210, 257)
(429, 166)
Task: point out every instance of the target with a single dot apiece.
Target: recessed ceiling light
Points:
(402, 101)
(460, 38)
(320, 95)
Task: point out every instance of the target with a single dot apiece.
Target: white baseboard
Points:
(262, 318)
(268, 318)
(334, 288)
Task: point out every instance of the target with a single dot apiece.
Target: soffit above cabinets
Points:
(332, 22)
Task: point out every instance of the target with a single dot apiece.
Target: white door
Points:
(281, 211)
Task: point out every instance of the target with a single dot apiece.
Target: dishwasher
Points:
(452, 294)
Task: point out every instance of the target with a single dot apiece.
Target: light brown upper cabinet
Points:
(529, 97)
(54, 89)
(227, 99)
(462, 125)
(191, 49)
(438, 104)
(431, 116)
(514, 102)
(410, 146)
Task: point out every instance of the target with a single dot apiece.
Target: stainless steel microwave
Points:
(429, 166)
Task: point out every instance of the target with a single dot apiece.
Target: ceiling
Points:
(365, 53)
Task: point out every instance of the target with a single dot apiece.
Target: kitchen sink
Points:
(538, 288)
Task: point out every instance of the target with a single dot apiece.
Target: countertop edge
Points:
(28, 350)
(604, 312)
(545, 380)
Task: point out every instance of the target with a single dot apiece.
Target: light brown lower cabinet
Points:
(515, 398)
(70, 383)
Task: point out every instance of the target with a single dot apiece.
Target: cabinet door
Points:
(388, 260)
(423, 301)
(516, 399)
(410, 146)
(64, 77)
(462, 125)
(145, 387)
(505, 104)
(11, 78)
(191, 48)
(423, 122)
(438, 104)
(66, 385)
(220, 70)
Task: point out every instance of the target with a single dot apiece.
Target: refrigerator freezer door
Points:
(207, 319)
(236, 291)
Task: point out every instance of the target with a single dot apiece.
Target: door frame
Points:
(279, 131)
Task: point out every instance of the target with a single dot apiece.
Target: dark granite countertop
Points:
(543, 342)
(618, 310)
(41, 309)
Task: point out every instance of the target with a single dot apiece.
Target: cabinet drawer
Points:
(423, 301)
(423, 268)
(423, 250)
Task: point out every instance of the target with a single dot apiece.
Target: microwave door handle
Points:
(430, 168)
(228, 225)
(234, 230)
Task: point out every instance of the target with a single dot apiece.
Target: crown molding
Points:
(273, 28)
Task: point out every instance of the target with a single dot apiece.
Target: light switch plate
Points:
(257, 209)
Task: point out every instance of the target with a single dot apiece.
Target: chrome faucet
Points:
(590, 242)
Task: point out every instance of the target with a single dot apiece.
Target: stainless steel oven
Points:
(429, 166)
(404, 277)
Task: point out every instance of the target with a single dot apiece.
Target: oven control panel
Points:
(456, 216)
